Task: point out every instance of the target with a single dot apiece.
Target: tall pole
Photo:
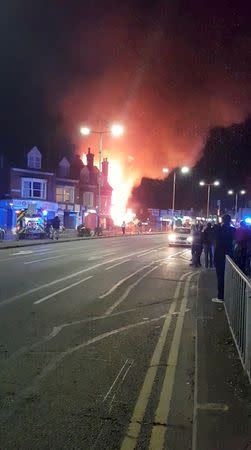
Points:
(99, 177)
(208, 199)
(236, 205)
(174, 189)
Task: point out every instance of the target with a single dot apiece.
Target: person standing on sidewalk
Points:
(56, 226)
(208, 240)
(196, 246)
(224, 236)
(242, 240)
(123, 227)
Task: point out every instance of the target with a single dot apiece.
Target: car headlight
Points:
(172, 237)
(189, 239)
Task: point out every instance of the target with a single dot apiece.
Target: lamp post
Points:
(231, 192)
(215, 183)
(183, 170)
(116, 130)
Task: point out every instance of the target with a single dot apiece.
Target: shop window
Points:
(65, 194)
(88, 199)
(34, 188)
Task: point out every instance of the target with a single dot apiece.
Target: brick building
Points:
(70, 191)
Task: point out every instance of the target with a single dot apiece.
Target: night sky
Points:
(168, 70)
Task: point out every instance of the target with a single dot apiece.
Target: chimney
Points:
(90, 158)
(105, 168)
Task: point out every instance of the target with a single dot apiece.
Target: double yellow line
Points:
(162, 411)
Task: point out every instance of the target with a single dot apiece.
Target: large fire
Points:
(121, 191)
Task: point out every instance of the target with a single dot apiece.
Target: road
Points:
(97, 345)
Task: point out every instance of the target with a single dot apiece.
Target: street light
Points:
(231, 192)
(85, 131)
(116, 130)
(183, 170)
(215, 183)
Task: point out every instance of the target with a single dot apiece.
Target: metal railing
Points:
(238, 310)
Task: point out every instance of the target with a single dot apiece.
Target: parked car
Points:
(180, 236)
(2, 234)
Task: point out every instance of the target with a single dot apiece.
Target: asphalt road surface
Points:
(97, 345)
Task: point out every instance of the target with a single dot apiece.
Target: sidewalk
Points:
(222, 418)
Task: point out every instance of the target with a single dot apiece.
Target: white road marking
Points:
(109, 253)
(116, 285)
(22, 252)
(115, 387)
(130, 362)
(128, 290)
(30, 390)
(118, 264)
(44, 259)
(134, 427)
(115, 381)
(41, 300)
(57, 329)
(66, 277)
(147, 253)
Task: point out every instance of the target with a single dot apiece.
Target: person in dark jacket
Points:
(56, 226)
(242, 240)
(208, 240)
(196, 246)
(224, 238)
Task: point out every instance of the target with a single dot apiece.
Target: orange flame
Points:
(121, 192)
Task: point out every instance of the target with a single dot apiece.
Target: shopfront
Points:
(11, 209)
(69, 215)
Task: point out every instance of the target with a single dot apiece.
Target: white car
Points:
(180, 236)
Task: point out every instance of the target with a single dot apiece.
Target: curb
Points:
(60, 241)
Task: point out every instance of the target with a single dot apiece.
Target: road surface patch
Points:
(163, 409)
(118, 264)
(128, 290)
(44, 259)
(215, 407)
(43, 299)
(133, 430)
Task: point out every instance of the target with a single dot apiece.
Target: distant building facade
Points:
(71, 191)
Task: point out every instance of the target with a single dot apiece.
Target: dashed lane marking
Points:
(62, 279)
(44, 259)
(54, 294)
(118, 264)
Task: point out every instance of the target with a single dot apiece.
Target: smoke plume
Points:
(167, 73)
